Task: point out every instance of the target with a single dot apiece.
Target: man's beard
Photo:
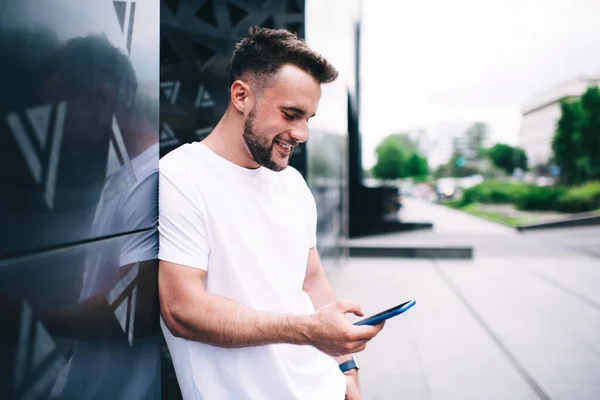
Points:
(261, 152)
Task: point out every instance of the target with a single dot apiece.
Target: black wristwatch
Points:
(350, 364)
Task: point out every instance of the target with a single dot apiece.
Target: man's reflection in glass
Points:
(116, 354)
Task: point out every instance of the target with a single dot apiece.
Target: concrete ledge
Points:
(461, 253)
(370, 227)
(589, 220)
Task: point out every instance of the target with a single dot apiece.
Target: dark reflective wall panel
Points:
(82, 322)
(79, 111)
(79, 104)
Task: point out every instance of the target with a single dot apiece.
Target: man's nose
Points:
(300, 132)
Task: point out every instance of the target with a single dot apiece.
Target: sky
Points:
(435, 61)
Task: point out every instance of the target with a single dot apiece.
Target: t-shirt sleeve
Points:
(181, 224)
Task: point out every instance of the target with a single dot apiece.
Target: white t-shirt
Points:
(251, 230)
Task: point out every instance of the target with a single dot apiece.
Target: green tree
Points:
(398, 157)
(590, 130)
(507, 158)
(390, 161)
(567, 144)
(416, 166)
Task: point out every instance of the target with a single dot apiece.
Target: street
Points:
(519, 321)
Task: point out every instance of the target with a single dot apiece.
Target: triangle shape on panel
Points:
(207, 13)
(40, 119)
(167, 88)
(236, 14)
(132, 314)
(292, 7)
(295, 27)
(173, 91)
(168, 55)
(269, 23)
(27, 149)
(173, 5)
(203, 98)
(206, 100)
(166, 133)
(121, 313)
(43, 344)
(203, 54)
(120, 8)
(113, 163)
(167, 136)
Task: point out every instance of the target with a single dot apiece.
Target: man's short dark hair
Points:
(264, 51)
(87, 62)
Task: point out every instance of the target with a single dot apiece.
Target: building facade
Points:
(541, 114)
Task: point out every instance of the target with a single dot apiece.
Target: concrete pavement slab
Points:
(437, 349)
(551, 334)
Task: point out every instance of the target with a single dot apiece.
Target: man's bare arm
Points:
(316, 284)
(318, 288)
(189, 311)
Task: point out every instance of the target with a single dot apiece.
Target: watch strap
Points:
(348, 365)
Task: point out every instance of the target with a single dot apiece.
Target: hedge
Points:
(530, 197)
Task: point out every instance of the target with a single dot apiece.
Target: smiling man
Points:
(239, 276)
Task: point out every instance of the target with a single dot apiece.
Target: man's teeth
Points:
(285, 146)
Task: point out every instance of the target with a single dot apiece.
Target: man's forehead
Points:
(293, 87)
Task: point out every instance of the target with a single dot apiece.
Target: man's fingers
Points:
(379, 326)
(350, 307)
(367, 332)
(357, 346)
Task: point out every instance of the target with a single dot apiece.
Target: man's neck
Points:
(226, 140)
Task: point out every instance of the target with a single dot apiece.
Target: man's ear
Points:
(241, 96)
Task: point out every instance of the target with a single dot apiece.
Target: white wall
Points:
(537, 131)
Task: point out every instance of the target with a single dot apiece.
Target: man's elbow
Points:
(172, 320)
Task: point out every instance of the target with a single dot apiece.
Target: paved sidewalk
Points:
(519, 321)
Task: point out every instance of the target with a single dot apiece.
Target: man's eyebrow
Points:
(296, 110)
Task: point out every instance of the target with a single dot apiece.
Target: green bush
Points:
(530, 197)
(540, 198)
(494, 192)
(581, 198)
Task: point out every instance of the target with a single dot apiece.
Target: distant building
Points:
(541, 114)
(422, 137)
(447, 136)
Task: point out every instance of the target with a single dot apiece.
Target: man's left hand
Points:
(352, 388)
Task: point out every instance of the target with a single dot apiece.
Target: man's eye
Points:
(288, 117)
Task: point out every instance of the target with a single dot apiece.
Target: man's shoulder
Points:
(179, 157)
(186, 160)
(296, 182)
(291, 174)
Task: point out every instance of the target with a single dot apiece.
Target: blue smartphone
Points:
(382, 316)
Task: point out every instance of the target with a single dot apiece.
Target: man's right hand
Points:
(332, 333)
